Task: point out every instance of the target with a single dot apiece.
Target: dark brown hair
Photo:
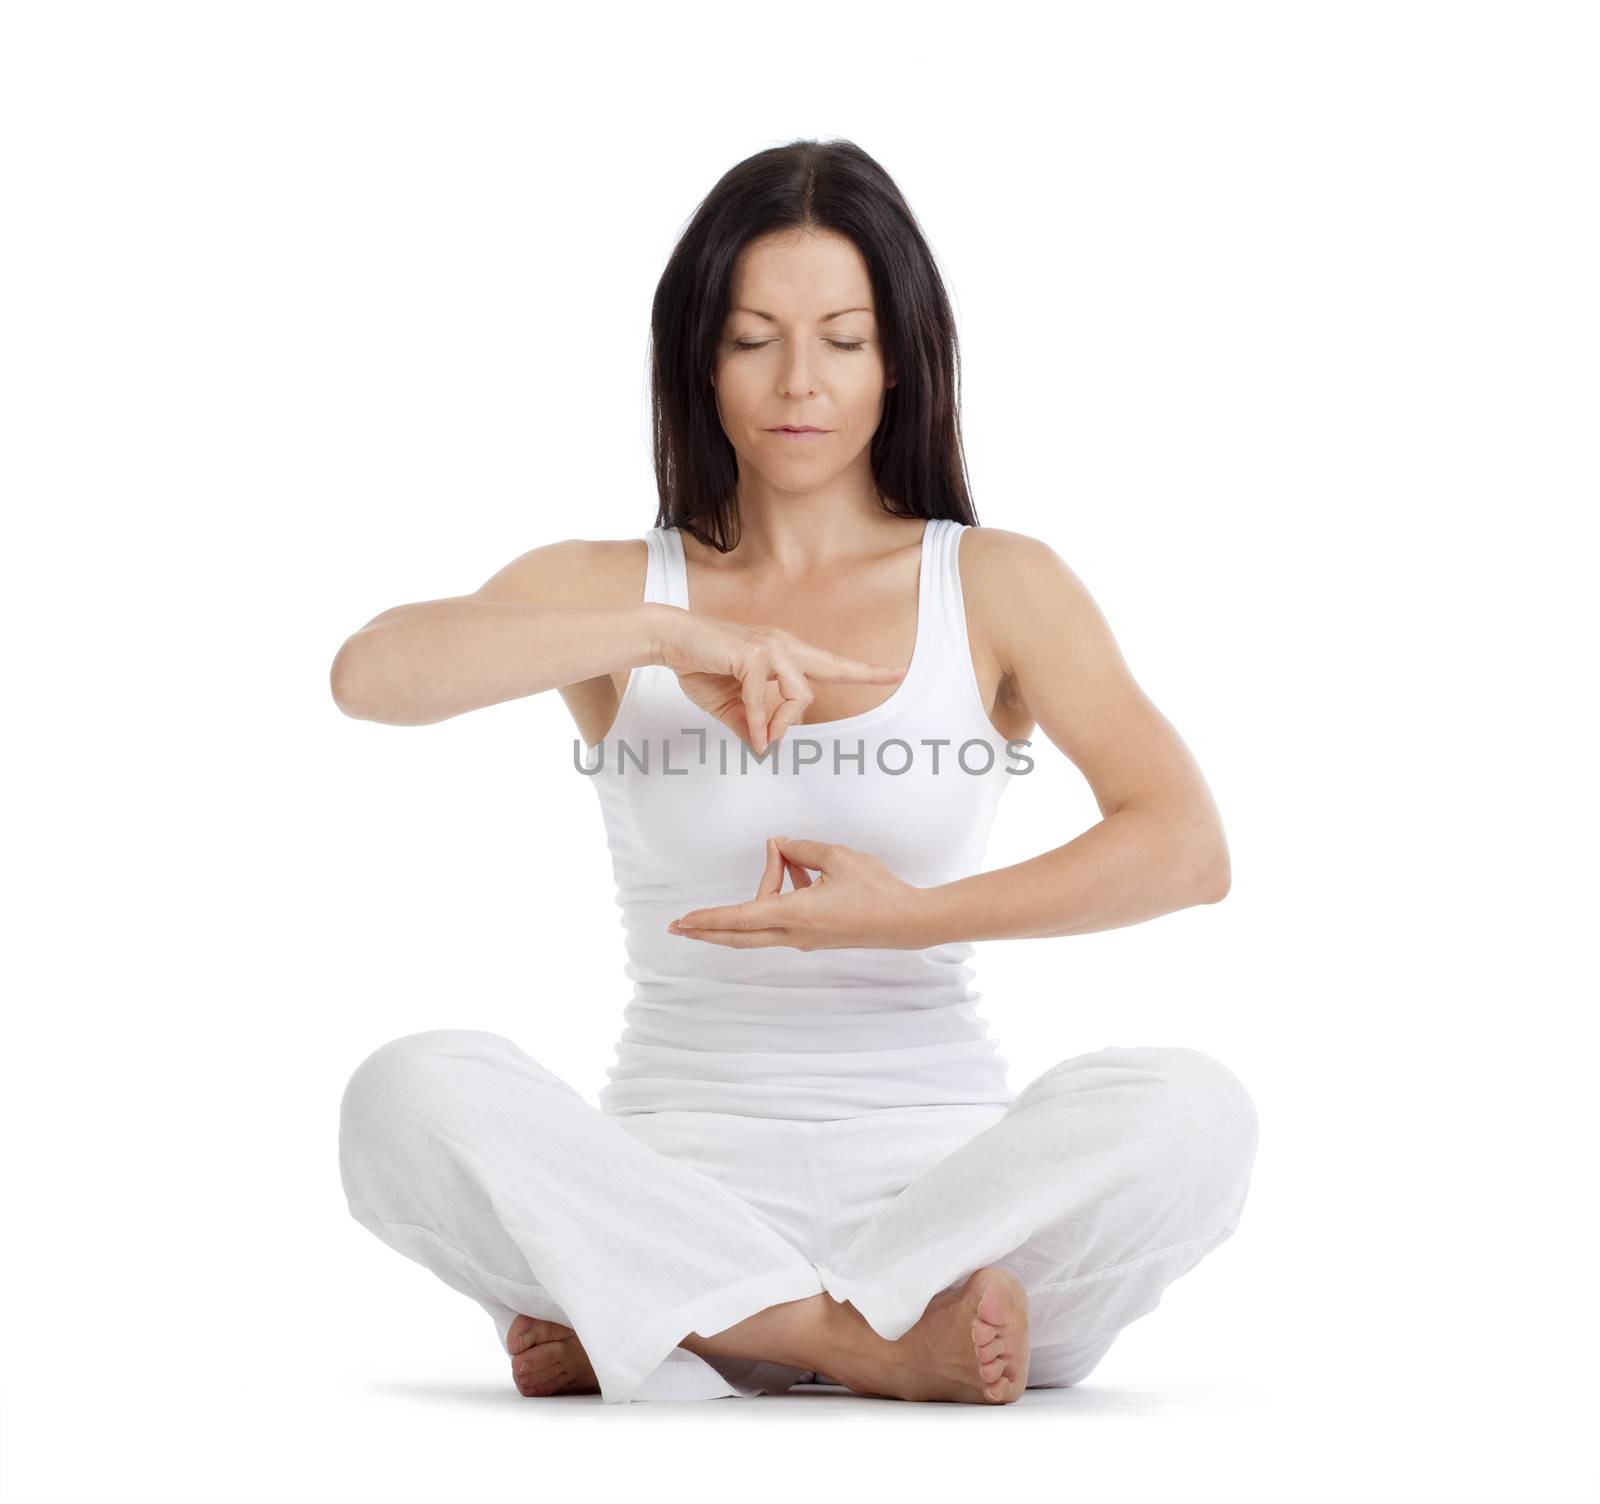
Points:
(917, 461)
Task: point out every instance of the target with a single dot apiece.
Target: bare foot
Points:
(547, 1358)
(970, 1345)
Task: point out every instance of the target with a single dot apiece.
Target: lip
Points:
(798, 433)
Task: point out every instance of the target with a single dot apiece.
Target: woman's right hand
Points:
(755, 680)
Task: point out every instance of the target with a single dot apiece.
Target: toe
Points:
(526, 1331)
(1002, 1299)
(992, 1350)
(538, 1365)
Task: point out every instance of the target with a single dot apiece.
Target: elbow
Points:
(348, 685)
(1195, 858)
(365, 692)
(1216, 876)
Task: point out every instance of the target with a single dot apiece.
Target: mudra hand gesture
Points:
(855, 902)
(755, 680)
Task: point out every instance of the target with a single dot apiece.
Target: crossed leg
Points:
(1107, 1178)
(466, 1155)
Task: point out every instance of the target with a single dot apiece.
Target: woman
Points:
(808, 1164)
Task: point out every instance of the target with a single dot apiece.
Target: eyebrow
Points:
(824, 319)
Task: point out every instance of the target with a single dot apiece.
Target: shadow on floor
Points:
(1090, 1397)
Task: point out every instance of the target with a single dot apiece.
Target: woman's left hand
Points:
(856, 902)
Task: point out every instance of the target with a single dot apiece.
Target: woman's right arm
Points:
(538, 624)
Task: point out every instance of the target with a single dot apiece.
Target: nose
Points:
(796, 378)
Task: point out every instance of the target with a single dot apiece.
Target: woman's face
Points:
(783, 360)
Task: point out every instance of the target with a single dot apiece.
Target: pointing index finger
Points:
(834, 668)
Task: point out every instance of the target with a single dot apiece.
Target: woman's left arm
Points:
(1160, 846)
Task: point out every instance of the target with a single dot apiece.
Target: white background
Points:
(1278, 323)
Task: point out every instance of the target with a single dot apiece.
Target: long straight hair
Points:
(918, 466)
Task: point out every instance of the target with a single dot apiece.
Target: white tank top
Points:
(774, 1031)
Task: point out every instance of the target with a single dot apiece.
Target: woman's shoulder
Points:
(573, 572)
(997, 564)
(1015, 586)
(998, 546)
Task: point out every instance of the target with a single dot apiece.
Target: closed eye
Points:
(744, 344)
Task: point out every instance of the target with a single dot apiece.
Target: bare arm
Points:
(1160, 846)
(535, 625)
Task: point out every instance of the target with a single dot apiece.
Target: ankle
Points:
(795, 1333)
(843, 1338)
(853, 1355)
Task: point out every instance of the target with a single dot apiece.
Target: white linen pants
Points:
(1108, 1177)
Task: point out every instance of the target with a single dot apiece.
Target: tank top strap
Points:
(665, 580)
(944, 600)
